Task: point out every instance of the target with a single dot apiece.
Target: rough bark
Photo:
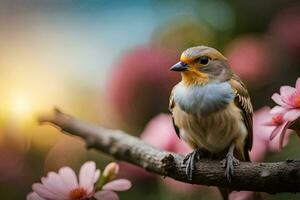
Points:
(263, 177)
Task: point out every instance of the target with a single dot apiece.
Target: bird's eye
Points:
(203, 60)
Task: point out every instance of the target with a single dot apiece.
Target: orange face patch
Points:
(193, 77)
(185, 59)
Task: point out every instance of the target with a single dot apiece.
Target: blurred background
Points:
(107, 62)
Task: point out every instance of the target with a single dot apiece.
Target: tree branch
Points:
(263, 177)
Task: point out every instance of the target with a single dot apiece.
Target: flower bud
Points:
(111, 170)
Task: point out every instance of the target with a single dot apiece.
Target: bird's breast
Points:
(203, 99)
(213, 132)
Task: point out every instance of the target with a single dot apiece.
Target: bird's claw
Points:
(190, 160)
(187, 157)
(229, 163)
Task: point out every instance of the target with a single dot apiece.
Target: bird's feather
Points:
(242, 100)
(171, 106)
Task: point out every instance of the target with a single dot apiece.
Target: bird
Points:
(211, 110)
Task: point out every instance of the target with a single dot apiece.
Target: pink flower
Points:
(250, 58)
(160, 133)
(287, 113)
(279, 126)
(65, 186)
(137, 76)
(285, 28)
(261, 135)
(288, 101)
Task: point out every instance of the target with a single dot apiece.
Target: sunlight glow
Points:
(21, 105)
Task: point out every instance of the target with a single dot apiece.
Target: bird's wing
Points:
(243, 101)
(171, 106)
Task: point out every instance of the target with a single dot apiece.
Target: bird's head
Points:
(201, 65)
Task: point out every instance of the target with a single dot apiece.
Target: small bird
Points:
(211, 109)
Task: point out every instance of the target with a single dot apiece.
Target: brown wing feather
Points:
(171, 106)
(243, 101)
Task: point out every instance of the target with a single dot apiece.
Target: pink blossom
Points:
(160, 133)
(287, 113)
(137, 76)
(263, 129)
(250, 58)
(288, 101)
(65, 186)
(285, 27)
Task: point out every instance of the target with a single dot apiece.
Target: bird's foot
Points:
(229, 163)
(190, 160)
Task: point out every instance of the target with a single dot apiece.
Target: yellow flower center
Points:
(77, 194)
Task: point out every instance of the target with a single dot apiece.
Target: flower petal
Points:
(278, 110)
(34, 196)
(96, 176)
(55, 184)
(277, 98)
(298, 84)
(278, 130)
(281, 139)
(118, 185)
(242, 195)
(286, 93)
(87, 174)
(268, 123)
(111, 169)
(69, 178)
(292, 115)
(106, 195)
(42, 191)
(286, 90)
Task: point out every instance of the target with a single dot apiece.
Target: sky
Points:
(76, 40)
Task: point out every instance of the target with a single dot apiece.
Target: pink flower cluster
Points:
(250, 57)
(287, 112)
(65, 186)
(142, 71)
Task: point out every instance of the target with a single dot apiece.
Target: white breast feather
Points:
(203, 99)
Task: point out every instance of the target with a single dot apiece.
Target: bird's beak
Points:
(179, 67)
